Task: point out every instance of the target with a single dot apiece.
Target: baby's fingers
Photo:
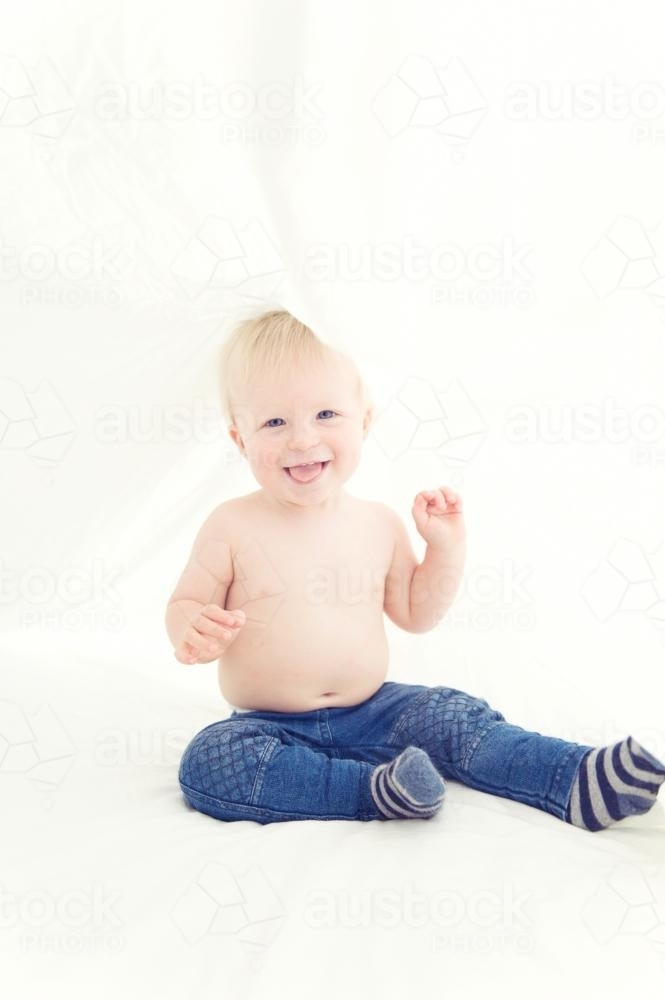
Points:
(202, 643)
(214, 614)
(185, 653)
(207, 627)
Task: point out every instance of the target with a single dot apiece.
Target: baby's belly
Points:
(300, 669)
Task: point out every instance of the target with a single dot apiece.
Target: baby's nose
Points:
(303, 440)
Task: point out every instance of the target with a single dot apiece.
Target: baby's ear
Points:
(369, 418)
(234, 434)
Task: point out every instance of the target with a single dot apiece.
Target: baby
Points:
(286, 588)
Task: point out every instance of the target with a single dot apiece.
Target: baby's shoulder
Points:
(229, 513)
(377, 514)
(380, 510)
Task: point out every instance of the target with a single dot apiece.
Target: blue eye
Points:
(279, 418)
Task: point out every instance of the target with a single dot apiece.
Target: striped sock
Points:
(614, 782)
(408, 787)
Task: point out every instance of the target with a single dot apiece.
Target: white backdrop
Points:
(467, 198)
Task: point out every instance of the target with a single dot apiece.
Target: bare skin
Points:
(308, 569)
(305, 561)
(314, 635)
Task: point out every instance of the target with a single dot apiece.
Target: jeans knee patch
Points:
(223, 761)
(447, 722)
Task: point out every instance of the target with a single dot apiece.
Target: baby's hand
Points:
(209, 635)
(439, 516)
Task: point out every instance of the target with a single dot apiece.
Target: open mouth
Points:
(305, 474)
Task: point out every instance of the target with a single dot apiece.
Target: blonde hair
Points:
(272, 342)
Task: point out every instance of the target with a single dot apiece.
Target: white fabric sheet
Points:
(112, 454)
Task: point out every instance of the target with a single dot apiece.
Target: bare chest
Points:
(313, 597)
(288, 573)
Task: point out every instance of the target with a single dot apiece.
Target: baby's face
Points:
(311, 415)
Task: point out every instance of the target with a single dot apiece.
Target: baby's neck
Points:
(306, 512)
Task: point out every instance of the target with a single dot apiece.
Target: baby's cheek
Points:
(270, 458)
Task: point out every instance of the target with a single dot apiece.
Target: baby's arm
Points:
(418, 594)
(397, 602)
(196, 622)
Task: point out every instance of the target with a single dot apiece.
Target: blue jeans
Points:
(275, 766)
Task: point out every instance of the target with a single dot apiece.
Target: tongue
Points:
(305, 473)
